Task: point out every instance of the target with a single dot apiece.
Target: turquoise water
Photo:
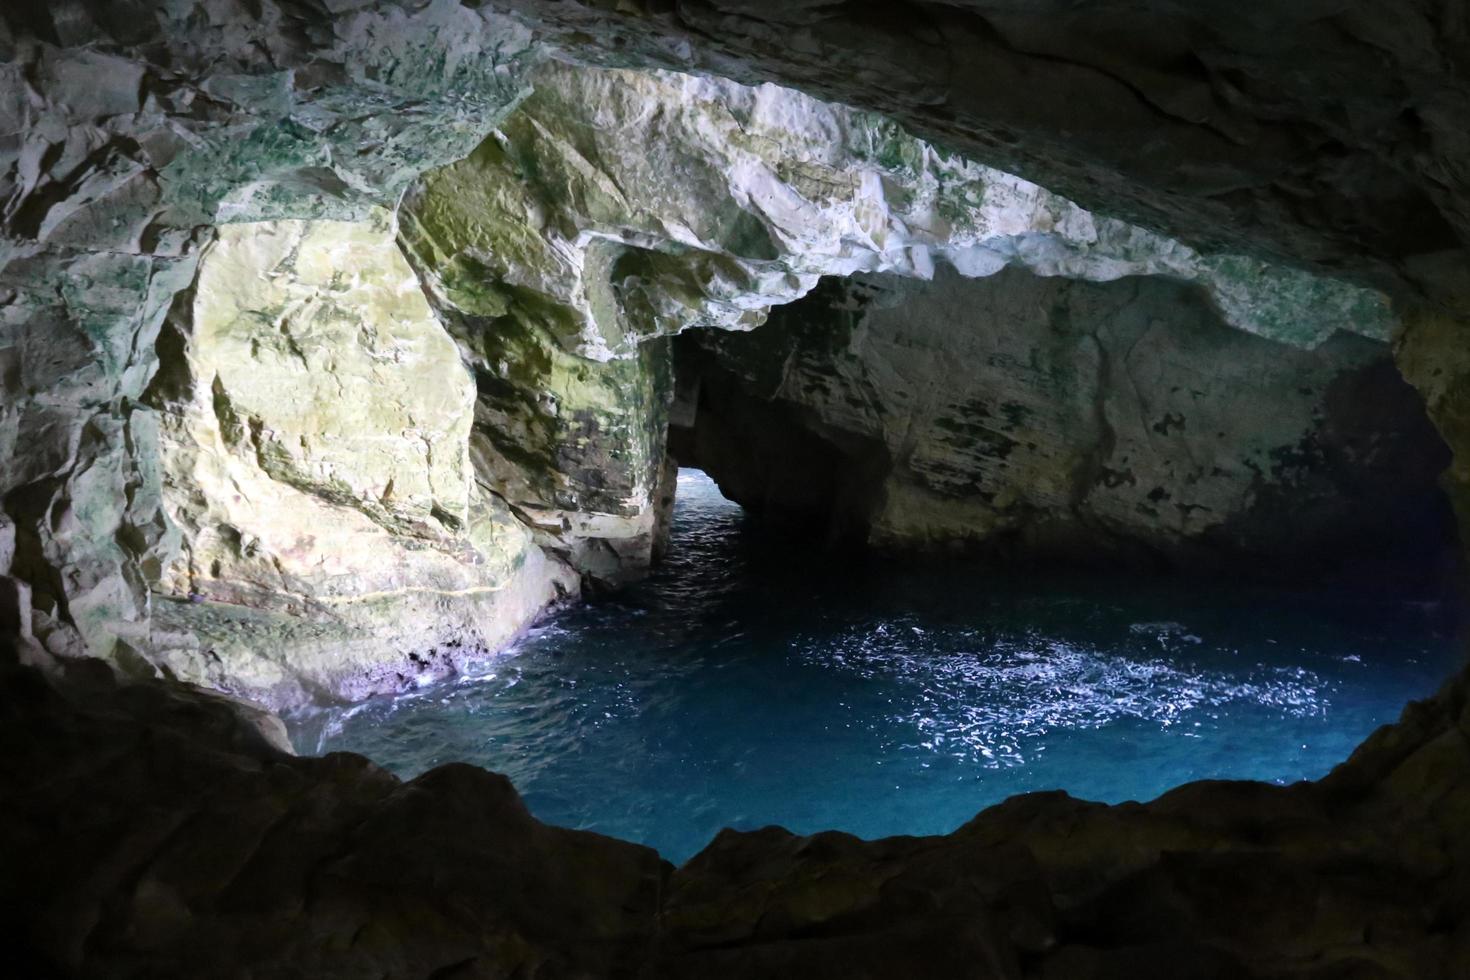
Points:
(745, 684)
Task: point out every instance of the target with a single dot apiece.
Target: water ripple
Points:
(984, 698)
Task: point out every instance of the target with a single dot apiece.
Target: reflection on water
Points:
(744, 685)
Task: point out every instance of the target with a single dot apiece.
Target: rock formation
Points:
(1326, 135)
(332, 536)
(131, 129)
(186, 496)
(1054, 417)
(631, 204)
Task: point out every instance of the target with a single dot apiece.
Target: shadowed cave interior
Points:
(691, 489)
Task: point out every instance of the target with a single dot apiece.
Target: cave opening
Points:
(1042, 423)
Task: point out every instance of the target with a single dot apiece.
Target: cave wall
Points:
(1276, 142)
(130, 129)
(333, 538)
(1052, 418)
(560, 219)
(616, 206)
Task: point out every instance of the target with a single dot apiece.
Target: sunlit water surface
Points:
(743, 685)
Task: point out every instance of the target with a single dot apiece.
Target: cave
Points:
(1052, 421)
(702, 488)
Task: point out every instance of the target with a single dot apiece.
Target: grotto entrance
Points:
(1049, 422)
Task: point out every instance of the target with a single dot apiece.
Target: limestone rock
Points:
(333, 537)
(614, 208)
(1330, 137)
(129, 130)
(573, 445)
(1062, 418)
(626, 205)
(143, 122)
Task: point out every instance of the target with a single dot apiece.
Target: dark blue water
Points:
(745, 685)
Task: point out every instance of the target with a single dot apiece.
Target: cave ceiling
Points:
(1328, 134)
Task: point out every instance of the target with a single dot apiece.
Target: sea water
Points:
(754, 681)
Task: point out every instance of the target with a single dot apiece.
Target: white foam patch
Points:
(984, 699)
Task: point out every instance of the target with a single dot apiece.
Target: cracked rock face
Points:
(627, 205)
(1049, 417)
(129, 130)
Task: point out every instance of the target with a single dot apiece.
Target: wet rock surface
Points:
(158, 830)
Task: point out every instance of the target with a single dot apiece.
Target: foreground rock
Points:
(1051, 418)
(251, 862)
(159, 831)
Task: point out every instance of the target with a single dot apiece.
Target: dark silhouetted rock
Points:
(154, 830)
